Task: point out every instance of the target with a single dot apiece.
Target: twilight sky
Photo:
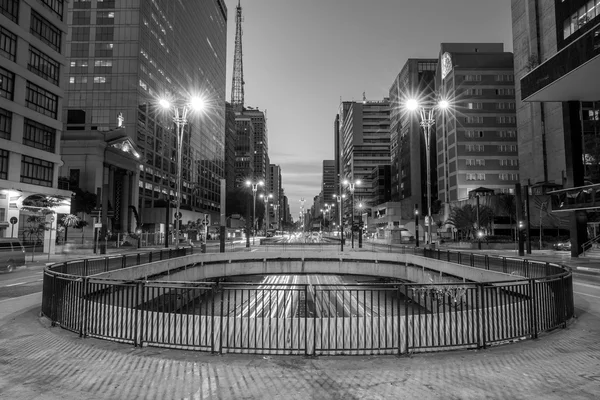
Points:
(302, 56)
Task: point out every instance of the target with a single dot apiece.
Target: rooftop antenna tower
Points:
(237, 88)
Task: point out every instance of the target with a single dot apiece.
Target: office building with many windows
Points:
(124, 56)
(476, 137)
(364, 132)
(407, 141)
(32, 62)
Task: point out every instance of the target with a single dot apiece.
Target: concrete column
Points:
(125, 203)
(135, 196)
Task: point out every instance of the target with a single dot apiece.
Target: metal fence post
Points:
(481, 321)
(84, 305)
(533, 309)
(123, 261)
(487, 262)
(106, 264)
(53, 302)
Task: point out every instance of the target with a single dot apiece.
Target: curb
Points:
(586, 269)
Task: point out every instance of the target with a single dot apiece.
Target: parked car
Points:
(12, 254)
(562, 246)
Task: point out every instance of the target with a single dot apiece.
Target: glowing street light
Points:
(254, 186)
(181, 110)
(426, 113)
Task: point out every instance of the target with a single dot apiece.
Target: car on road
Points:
(12, 254)
(562, 246)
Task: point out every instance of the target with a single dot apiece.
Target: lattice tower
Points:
(237, 87)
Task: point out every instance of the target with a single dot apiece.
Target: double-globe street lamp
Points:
(254, 186)
(339, 199)
(327, 212)
(426, 112)
(181, 109)
(266, 198)
(351, 186)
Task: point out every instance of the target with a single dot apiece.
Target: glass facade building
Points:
(124, 56)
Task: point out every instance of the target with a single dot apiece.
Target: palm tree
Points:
(69, 221)
(464, 218)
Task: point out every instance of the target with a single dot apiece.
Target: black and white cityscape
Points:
(328, 196)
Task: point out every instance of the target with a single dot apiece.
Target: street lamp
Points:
(254, 186)
(266, 198)
(181, 110)
(360, 225)
(339, 200)
(426, 110)
(352, 185)
(417, 225)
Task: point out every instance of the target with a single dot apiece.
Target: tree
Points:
(507, 204)
(464, 218)
(69, 221)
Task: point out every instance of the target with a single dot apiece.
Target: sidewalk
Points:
(38, 362)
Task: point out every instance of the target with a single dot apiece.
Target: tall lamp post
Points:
(352, 185)
(254, 186)
(276, 211)
(181, 110)
(426, 111)
(266, 198)
(339, 200)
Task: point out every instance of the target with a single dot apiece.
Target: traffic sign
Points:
(177, 216)
(98, 225)
(14, 220)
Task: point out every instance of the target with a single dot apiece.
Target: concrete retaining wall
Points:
(408, 267)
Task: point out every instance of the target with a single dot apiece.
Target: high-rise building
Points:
(365, 133)
(407, 141)
(32, 62)
(123, 58)
(476, 138)
(274, 187)
(261, 142)
(328, 188)
(557, 58)
(230, 141)
(244, 149)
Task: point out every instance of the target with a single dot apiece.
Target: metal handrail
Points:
(588, 245)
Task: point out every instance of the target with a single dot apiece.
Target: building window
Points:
(99, 79)
(10, 8)
(36, 171)
(42, 65)
(505, 78)
(474, 120)
(506, 120)
(3, 164)
(507, 134)
(473, 78)
(505, 92)
(39, 136)
(8, 44)
(7, 84)
(45, 31)
(506, 106)
(474, 147)
(5, 123)
(473, 92)
(474, 106)
(41, 100)
(56, 6)
(503, 148)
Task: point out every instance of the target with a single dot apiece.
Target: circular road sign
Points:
(14, 220)
(178, 216)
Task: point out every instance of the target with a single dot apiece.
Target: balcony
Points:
(571, 74)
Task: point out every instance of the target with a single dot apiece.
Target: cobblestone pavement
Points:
(42, 362)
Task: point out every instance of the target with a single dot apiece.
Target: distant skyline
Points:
(302, 57)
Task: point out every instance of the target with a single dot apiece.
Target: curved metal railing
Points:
(284, 315)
